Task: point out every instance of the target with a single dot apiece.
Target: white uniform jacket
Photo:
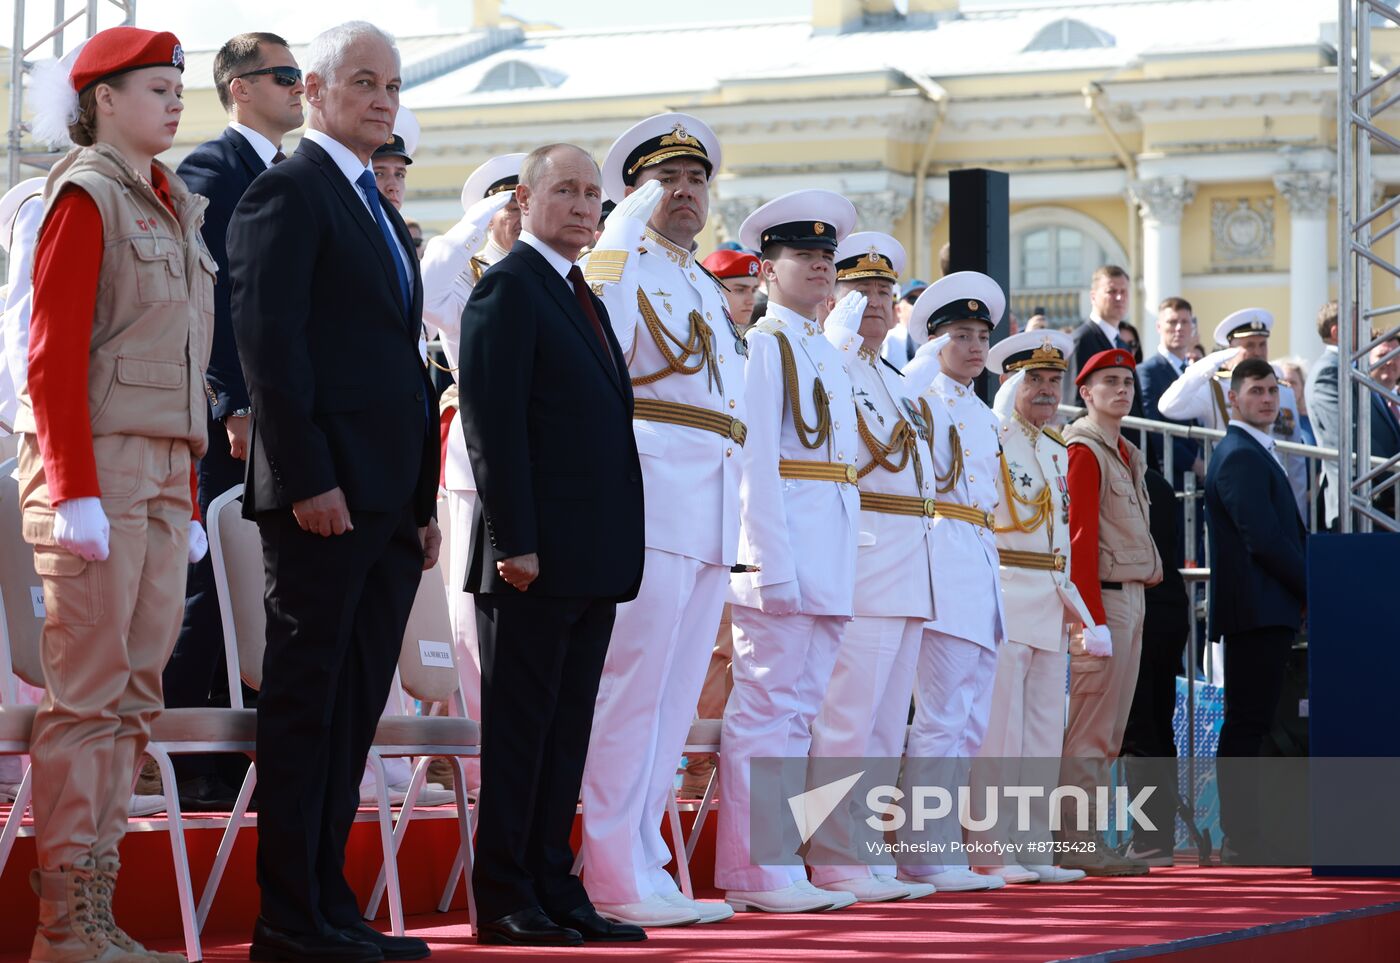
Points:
(797, 528)
(1033, 527)
(18, 299)
(672, 324)
(1204, 396)
(449, 274)
(894, 562)
(965, 555)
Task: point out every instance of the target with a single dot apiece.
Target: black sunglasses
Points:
(282, 76)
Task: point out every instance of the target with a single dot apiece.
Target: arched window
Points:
(1069, 34)
(1054, 252)
(517, 75)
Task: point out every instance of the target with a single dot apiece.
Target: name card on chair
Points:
(36, 599)
(435, 653)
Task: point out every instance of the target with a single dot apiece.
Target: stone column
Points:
(732, 211)
(1160, 202)
(878, 210)
(1308, 194)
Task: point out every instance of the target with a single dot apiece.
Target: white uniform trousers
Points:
(655, 667)
(1026, 722)
(782, 664)
(952, 699)
(865, 714)
(462, 610)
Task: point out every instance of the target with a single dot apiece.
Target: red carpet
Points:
(1186, 914)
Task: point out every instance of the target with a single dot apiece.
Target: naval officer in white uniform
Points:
(799, 510)
(866, 707)
(957, 657)
(685, 359)
(452, 264)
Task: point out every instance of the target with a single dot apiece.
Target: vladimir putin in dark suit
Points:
(1258, 585)
(546, 406)
(342, 481)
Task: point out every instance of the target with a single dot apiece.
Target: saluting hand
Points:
(325, 514)
(519, 571)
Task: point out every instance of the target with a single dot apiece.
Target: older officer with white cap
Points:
(1200, 391)
(866, 706)
(799, 509)
(1038, 599)
(452, 264)
(21, 211)
(957, 656)
(686, 364)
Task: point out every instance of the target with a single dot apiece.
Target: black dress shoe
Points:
(270, 943)
(595, 929)
(527, 927)
(393, 947)
(206, 794)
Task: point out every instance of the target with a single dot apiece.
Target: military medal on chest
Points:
(1063, 485)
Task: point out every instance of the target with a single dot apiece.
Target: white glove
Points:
(1097, 640)
(781, 598)
(470, 232)
(846, 314)
(199, 542)
(628, 222)
(933, 346)
(1218, 359)
(80, 526)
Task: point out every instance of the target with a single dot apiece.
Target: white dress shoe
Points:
(790, 899)
(1011, 873)
(956, 880)
(1057, 874)
(143, 805)
(652, 911)
(709, 911)
(868, 889)
(916, 890)
(839, 900)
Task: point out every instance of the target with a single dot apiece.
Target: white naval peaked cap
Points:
(406, 126)
(658, 138)
(869, 254)
(500, 173)
(11, 203)
(1031, 349)
(1243, 324)
(812, 218)
(960, 296)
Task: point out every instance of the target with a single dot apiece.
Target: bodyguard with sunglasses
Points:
(259, 84)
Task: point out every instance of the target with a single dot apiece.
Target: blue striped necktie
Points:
(371, 192)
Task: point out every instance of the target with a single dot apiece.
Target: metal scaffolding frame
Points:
(1365, 94)
(20, 53)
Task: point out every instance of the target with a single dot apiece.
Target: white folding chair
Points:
(703, 737)
(21, 623)
(427, 673)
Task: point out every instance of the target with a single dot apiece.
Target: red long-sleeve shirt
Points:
(1084, 525)
(67, 267)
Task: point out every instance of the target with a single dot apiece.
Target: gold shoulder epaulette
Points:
(478, 268)
(604, 267)
(1054, 435)
(768, 325)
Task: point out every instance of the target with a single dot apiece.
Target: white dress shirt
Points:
(351, 167)
(1178, 363)
(1110, 331)
(264, 148)
(556, 260)
(1266, 441)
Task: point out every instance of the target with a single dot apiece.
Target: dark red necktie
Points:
(585, 301)
(278, 157)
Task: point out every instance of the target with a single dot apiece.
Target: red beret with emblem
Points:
(1112, 358)
(119, 50)
(732, 264)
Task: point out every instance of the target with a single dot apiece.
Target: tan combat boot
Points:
(70, 928)
(104, 887)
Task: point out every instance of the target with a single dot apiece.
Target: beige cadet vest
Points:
(153, 322)
(1126, 550)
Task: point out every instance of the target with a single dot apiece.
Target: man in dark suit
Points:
(546, 407)
(1323, 404)
(1257, 589)
(1110, 293)
(259, 84)
(342, 481)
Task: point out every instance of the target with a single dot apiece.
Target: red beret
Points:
(118, 50)
(1112, 358)
(732, 264)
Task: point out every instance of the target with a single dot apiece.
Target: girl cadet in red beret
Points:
(113, 418)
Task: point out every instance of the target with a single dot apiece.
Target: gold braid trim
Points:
(948, 482)
(699, 342)
(903, 440)
(1220, 406)
(811, 436)
(1042, 508)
